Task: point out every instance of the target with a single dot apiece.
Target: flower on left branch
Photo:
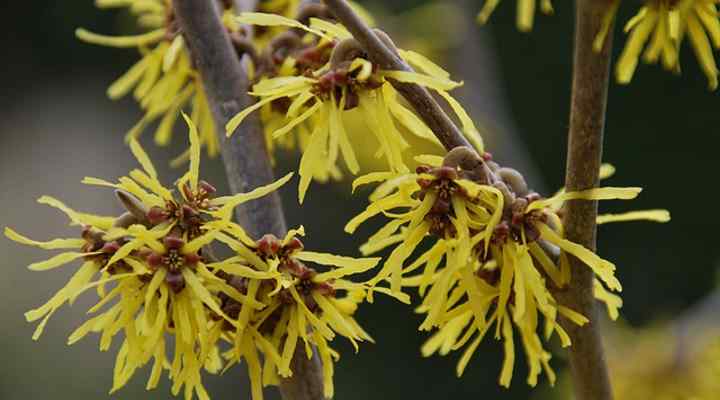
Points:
(150, 270)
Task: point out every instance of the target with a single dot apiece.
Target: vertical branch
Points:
(585, 141)
(245, 154)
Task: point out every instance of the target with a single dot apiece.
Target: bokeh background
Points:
(56, 126)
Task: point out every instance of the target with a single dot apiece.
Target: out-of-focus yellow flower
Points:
(154, 255)
(164, 81)
(314, 81)
(525, 12)
(657, 31)
(492, 259)
(661, 361)
(655, 363)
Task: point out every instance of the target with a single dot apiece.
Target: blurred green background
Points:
(56, 126)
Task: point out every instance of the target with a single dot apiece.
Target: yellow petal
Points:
(604, 193)
(58, 260)
(230, 202)
(120, 41)
(605, 270)
(427, 81)
(54, 244)
(262, 19)
(78, 218)
(645, 215)
(194, 152)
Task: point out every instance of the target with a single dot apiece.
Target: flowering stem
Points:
(585, 141)
(245, 154)
(424, 104)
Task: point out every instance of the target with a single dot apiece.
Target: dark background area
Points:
(56, 126)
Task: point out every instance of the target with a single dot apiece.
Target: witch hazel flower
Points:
(151, 268)
(304, 308)
(497, 254)
(317, 82)
(657, 32)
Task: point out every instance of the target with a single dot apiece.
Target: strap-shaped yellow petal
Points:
(230, 202)
(78, 218)
(194, 152)
(605, 270)
(120, 41)
(644, 215)
(603, 193)
(430, 82)
(58, 261)
(142, 158)
(54, 244)
(263, 19)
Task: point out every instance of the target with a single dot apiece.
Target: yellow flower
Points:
(493, 259)
(663, 361)
(660, 362)
(659, 28)
(301, 305)
(525, 12)
(163, 82)
(315, 84)
(155, 256)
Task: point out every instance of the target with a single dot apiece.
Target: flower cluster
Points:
(157, 278)
(660, 27)
(525, 12)
(494, 259)
(164, 82)
(315, 79)
(656, 32)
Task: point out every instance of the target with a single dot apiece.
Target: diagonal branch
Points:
(427, 108)
(245, 154)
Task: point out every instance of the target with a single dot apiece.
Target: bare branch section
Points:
(585, 145)
(245, 154)
(427, 108)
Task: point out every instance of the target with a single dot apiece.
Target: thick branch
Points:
(585, 141)
(427, 108)
(245, 153)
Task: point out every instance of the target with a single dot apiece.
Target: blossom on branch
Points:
(314, 77)
(496, 256)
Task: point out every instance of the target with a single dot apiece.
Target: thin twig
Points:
(585, 145)
(427, 108)
(245, 154)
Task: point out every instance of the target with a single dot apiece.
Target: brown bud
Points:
(157, 215)
(154, 259)
(132, 205)
(514, 180)
(313, 10)
(269, 245)
(444, 172)
(294, 244)
(173, 242)
(345, 51)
